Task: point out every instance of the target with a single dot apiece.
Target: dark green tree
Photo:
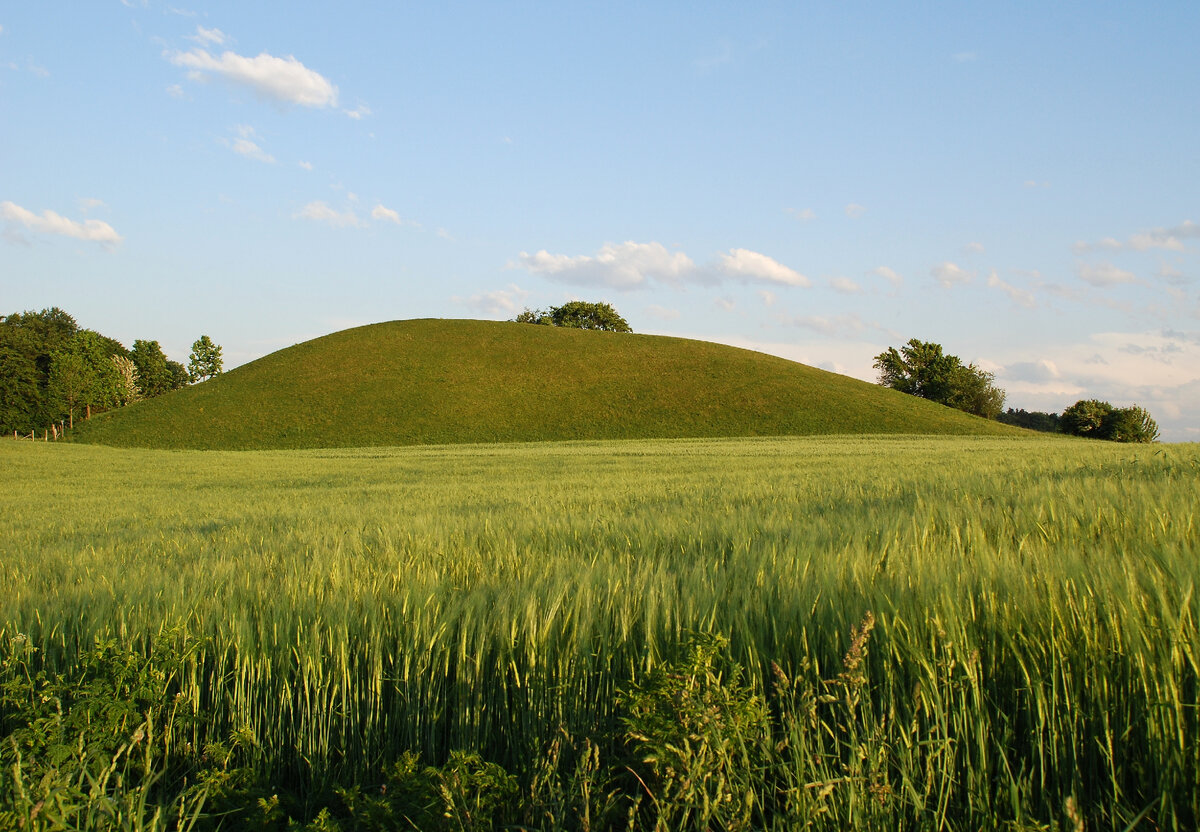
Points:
(1095, 419)
(1030, 419)
(154, 376)
(578, 314)
(27, 340)
(205, 359)
(83, 375)
(179, 375)
(922, 368)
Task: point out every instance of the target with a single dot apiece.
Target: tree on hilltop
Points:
(205, 360)
(923, 369)
(577, 314)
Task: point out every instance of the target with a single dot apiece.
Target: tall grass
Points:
(943, 633)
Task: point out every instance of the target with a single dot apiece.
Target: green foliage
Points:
(83, 374)
(577, 314)
(921, 368)
(1030, 419)
(91, 746)
(205, 361)
(700, 738)
(1094, 419)
(27, 341)
(154, 373)
(439, 382)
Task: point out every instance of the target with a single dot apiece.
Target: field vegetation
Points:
(809, 633)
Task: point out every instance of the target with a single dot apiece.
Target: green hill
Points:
(449, 381)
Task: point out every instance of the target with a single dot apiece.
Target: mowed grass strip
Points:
(444, 381)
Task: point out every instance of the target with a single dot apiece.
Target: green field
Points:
(442, 381)
(305, 618)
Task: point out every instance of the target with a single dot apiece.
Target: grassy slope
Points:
(440, 381)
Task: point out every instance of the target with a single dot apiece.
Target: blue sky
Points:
(1015, 181)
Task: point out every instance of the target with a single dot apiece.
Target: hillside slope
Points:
(452, 381)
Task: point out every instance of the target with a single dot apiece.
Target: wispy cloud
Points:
(319, 211)
(498, 303)
(844, 285)
(950, 274)
(854, 210)
(804, 215)
(1019, 296)
(285, 79)
(1169, 239)
(1104, 275)
(207, 37)
(631, 265)
(627, 265)
(751, 266)
(662, 312)
(888, 274)
(49, 222)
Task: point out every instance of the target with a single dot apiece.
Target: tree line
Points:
(923, 368)
(52, 370)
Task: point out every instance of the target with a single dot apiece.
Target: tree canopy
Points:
(50, 369)
(205, 360)
(922, 368)
(577, 314)
(1095, 419)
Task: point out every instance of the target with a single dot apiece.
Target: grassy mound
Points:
(450, 381)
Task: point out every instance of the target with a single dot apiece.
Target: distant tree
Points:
(1030, 419)
(1132, 424)
(1094, 419)
(127, 376)
(1086, 418)
(205, 359)
(922, 368)
(179, 375)
(578, 314)
(534, 316)
(82, 374)
(27, 340)
(153, 373)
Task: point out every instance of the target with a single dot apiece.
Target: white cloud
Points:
(631, 265)
(768, 297)
(385, 214)
(1169, 239)
(49, 222)
(499, 303)
(950, 274)
(845, 285)
(247, 148)
(887, 274)
(973, 248)
(627, 265)
(806, 215)
(175, 91)
(318, 211)
(1019, 296)
(208, 36)
(727, 304)
(283, 79)
(662, 312)
(1104, 275)
(305, 165)
(834, 326)
(854, 210)
(747, 265)
(90, 203)
(358, 112)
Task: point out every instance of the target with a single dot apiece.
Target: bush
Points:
(1094, 419)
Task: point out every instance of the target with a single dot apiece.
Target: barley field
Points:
(778, 633)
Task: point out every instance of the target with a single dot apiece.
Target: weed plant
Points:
(822, 633)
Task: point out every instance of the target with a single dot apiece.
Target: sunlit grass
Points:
(1035, 634)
